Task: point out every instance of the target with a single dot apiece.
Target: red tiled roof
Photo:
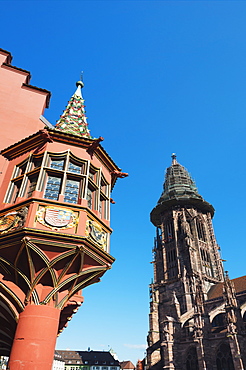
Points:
(216, 290)
(127, 365)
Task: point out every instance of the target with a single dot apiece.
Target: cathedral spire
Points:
(179, 189)
(73, 119)
(178, 183)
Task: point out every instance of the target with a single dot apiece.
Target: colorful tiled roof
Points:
(73, 119)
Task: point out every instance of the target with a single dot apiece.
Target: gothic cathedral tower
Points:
(187, 268)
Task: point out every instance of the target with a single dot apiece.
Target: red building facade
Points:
(54, 217)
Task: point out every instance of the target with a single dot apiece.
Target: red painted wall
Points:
(21, 105)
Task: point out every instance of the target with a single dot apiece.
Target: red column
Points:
(35, 339)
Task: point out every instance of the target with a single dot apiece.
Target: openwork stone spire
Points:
(178, 183)
(73, 119)
(179, 189)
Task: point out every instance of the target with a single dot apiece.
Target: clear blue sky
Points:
(160, 77)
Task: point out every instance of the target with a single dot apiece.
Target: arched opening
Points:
(224, 358)
(191, 360)
(188, 328)
(219, 323)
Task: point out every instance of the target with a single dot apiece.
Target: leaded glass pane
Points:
(71, 191)
(57, 164)
(53, 188)
(72, 167)
(32, 186)
(89, 198)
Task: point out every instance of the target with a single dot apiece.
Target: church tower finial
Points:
(73, 119)
(174, 159)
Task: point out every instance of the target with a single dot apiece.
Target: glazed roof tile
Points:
(73, 119)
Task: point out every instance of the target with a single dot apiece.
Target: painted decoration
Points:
(13, 220)
(8, 221)
(57, 218)
(95, 231)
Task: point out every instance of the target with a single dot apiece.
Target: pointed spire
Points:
(179, 189)
(178, 183)
(73, 119)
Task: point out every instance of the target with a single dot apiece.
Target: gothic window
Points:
(206, 262)
(224, 358)
(244, 319)
(191, 360)
(219, 323)
(171, 258)
(168, 231)
(190, 225)
(188, 328)
(200, 230)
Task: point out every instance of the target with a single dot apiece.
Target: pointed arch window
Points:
(201, 233)
(172, 265)
(207, 266)
(224, 358)
(192, 360)
(219, 323)
(168, 231)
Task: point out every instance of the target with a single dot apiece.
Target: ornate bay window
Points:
(62, 177)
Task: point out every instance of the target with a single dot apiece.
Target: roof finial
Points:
(174, 160)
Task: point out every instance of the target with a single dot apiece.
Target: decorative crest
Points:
(73, 119)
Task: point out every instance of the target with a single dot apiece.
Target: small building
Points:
(89, 360)
(72, 360)
(127, 365)
(58, 363)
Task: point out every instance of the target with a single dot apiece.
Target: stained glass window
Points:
(71, 191)
(53, 188)
(57, 164)
(32, 185)
(72, 167)
(89, 198)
